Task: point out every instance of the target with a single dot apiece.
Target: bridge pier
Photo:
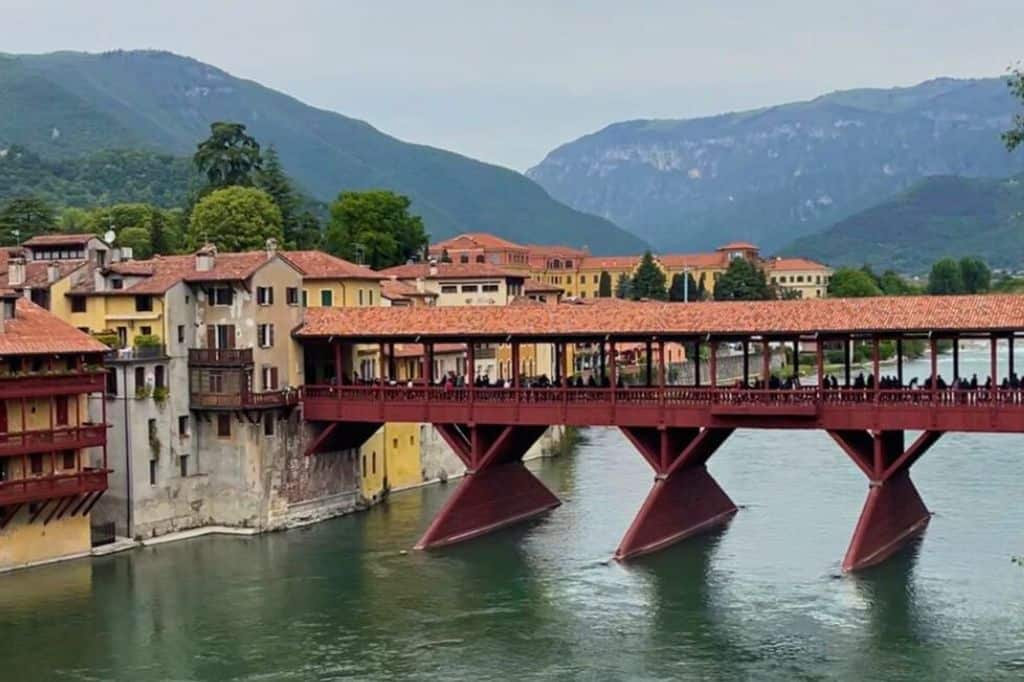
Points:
(894, 511)
(497, 490)
(685, 499)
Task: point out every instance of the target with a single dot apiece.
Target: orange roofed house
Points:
(53, 466)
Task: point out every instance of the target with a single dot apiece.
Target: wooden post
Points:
(847, 350)
(746, 362)
(650, 366)
(995, 362)
(766, 362)
(713, 362)
(1009, 367)
(933, 346)
(875, 359)
(603, 367)
(796, 357)
(696, 363)
(428, 375)
(613, 369)
(515, 364)
(956, 358)
(471, 369)
(337, 362)
(661, 363)
(899, 361)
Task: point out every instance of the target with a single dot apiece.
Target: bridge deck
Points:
(978, 410)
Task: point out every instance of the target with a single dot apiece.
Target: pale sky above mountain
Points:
(508, 82)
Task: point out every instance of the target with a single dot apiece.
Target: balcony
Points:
(139, 354)
(243, 400)
(49, 440)
(220, 357)
(43, 488)
(14, 386)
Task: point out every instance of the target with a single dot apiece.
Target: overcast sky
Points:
(507, 82)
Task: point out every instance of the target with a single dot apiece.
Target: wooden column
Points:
(613, 369)
(428, 374)
(746, 361)
(391, 362)
(696, 363)
(875, 359)
(516, 370)
(819, 357)
(899, 361)
(933, 347)
(603, 366)
(1009, 366)
(994, 342)
(471, 368)
(661, 363)
(956, 358)
(847, 349)
(713, 362)
(796, 357)
(650, 367)
(766, 362)
(337, 362)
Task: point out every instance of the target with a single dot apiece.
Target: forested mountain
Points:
(66, 105)
(774, 174)
(938, 217)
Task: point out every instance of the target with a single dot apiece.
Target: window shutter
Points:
(270, 334)
(230, 330)
(211, 336)
(273, 378)
(270, 295)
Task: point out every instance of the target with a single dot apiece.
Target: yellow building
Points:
(329, 281)
(47, 370)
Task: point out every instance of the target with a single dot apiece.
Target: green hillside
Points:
(165, 103)
(938, 217)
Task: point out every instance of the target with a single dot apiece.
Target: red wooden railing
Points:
(42, 440)
(39, 488)
(32, 385)
(220, 356)
(241, 400)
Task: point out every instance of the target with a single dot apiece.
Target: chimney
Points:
(433, 267)
(16, 271)
(99, 282)
(206, 257)
(8, 305)
(271, 246)
(52, 272)
(420, 286)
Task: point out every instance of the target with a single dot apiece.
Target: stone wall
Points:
(441, 463)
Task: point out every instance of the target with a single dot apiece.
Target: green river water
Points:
(760, 599)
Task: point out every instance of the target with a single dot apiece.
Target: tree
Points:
(137, 239)
(1014, 137)
(945, 278)
(22, 218)
(228, 157)
(649, 279)
(161, 226)
(684, 288)
(976, 276)
(743, 281)
(375, 228)
(892, 284)
(445, 257)
(624, 286)
(309, 234)
(604, 285)
(271, 179)
(852, 283)
(235, 219)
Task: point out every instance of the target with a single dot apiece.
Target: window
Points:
(265, 295)
(469, 288)
(370, 292)
(490, 288)
(305, 298)
(68, 459)
(117, 283)
(291, 295)
(268, 424)
(181, 333)
(265, 335)
(373, 462)
(364, 466)
(140, 379)
(36, 464)
(143, 303)
(183, 426)
(269, 378)
(480, 259)
(151, 429)
(220, 336)
(800, 278)
(222, 296)
(146, 331)
(394, 443)
(183, 465)
(122, 336)
(463, 258)
(111, 381)
(152, 472)
(78, 304)
(84, 330)
(326, 298)
(596, 279)
(61, 410)
(568, 279)
(224, 426)
(5, 472)
(158, 376)
(449, 289)
(216, 382)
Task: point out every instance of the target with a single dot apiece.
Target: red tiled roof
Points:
(858, 315)
(450, 271)
(476, 240)
(793, 264)
(35, 330)
(60, 239)
(533, 286)
(609, 262)
(395, 290)
(162, 272)
(737, 246)
(37, 271)
(320, 265)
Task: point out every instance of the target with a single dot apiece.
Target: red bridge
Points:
(675, 428)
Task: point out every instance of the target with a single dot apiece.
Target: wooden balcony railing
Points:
(46, 440)
(41, 488)
(243, 400)
(13, 386)
(220, 356)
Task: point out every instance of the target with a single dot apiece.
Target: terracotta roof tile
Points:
(320, 265)
(35, 330)
(694, 260)
(160, 273)
(60, 239)
(866, 315)
(609, 262)
(396, 290)
(737, 246)
(476, 240)
(450, 271)
(533, 286)
(37, 271)
(778, 264)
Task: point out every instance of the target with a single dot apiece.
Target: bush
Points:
(160, 394)
(147, 341)
(108, 337)
(143, 392)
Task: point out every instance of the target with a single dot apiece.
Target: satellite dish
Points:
(109, 236)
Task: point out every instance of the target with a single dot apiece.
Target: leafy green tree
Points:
(374, 228)
(975, 274)
(235, 219)
(228, 156)
(743, 281)
(945, 278)
(271, 179)
(309, 234)
(74, 220)
(1014, 137)
(604, 285)
(445, 257)
(161, 226)
(22, 218)
(624, 286)
(853, 283)
(649, 279)
(684, 288)
(892, 284)
(137, 239)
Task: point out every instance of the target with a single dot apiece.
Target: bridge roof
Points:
(965, 315)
